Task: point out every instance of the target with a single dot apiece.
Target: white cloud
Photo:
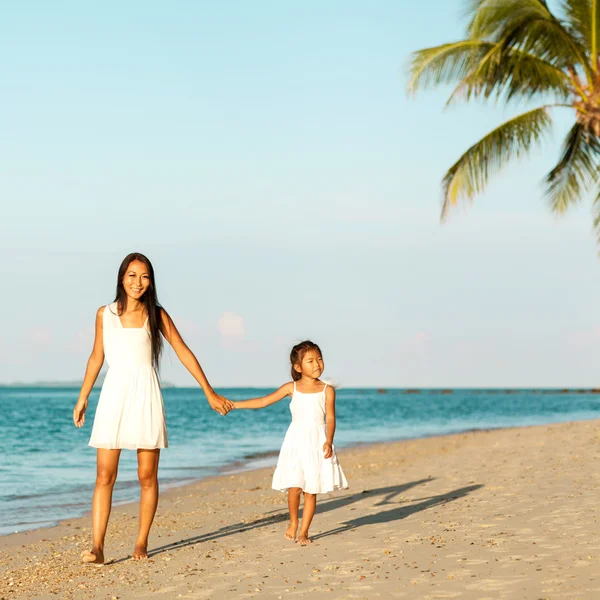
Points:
(231, 326)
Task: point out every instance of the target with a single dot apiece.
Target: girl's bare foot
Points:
(290, 532)
(92, 557)
(140, 552)
(303, 539)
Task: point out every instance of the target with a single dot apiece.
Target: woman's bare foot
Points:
(92, 557)
(290, 532)
(303, 539)
(140, 552)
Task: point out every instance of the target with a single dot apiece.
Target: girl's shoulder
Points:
(100, 311)
(288, 387)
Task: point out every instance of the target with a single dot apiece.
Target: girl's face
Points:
(136, 280)
(312, 365)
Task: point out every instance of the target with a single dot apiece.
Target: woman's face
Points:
(136, 280)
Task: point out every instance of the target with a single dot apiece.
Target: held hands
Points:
(79, 412)
(328, 449)
(220, 403)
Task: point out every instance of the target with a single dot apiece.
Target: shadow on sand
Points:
(383, 516)
(400, 512)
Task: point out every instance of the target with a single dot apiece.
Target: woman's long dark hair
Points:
(149, 300)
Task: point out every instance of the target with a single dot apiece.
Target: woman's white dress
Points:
(130, 412)
(301, 461)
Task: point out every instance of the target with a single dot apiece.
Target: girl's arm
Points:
(329, 420)
(94, 365)
(285, 390)
(190, 362)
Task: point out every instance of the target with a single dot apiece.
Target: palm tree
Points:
(521, 50)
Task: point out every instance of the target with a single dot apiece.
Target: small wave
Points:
(258, 455)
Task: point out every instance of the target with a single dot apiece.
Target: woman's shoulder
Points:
(111, 308)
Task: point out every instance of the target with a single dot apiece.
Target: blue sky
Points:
(267, 159)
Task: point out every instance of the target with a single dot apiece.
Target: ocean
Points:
(47, 470)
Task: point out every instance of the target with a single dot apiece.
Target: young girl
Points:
(307, 461)
(130, 411)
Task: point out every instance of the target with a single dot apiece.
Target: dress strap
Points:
(325, 387)
(294, 386)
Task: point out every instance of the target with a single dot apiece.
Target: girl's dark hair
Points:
(149, 300)
(297, 354)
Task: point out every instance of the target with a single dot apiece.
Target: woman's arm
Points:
(285, 390)
(329, 420)
(190, 362)
(94, 365)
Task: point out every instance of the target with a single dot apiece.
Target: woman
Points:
(130, 411)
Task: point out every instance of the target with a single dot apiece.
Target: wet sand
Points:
(495, 514)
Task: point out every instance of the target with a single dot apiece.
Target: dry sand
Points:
(496, 514)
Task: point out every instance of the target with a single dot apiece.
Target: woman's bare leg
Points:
(107, 465)
(148, 476)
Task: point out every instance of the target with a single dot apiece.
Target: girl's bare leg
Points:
(148, 477)
(293, 506)
(107, 465)
(308, 512)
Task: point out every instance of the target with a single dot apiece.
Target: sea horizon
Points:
(408, 389)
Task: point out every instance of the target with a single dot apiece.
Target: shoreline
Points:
(252, 462)
(240, 467)
(489, 514)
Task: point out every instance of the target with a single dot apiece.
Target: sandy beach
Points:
(493, 514)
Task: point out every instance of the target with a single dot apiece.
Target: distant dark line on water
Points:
(379, 390)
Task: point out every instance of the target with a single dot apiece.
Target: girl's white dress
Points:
(130, 412)
(301, 461)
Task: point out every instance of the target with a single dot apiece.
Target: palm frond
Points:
(488, 19)
(444, 64)
(595, 18)
(520, 49)
(514, 138)
(548, 39)
(507, 73)
(579, 166)
(578, 15)
(528, 25)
